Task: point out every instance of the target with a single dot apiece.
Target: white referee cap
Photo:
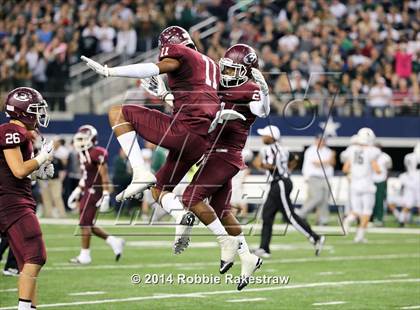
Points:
(270, 131)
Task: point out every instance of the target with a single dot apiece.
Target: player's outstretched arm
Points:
(21, 169)
(138, 71)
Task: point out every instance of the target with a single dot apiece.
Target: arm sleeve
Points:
(139, 71)
(261, 108)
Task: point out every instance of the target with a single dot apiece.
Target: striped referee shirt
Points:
(276, 155)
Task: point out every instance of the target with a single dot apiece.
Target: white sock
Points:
(243, 246)
(131, 148)
(171, 204)
(360, 233)
(111, 240)
(396, 213)
(24, 305)
(217, 228)
(407, 217)
(401, 217)
(84, 254)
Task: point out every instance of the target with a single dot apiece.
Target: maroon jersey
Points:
(232, 139)
(194, 86)
(89, 164)
(16, 197)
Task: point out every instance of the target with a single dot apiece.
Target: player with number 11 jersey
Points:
(193, 79)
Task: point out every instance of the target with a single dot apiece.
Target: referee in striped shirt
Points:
(276, 160)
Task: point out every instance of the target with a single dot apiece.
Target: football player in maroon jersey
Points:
(27, 110)
(193, 79)
(242, 89)
(93, 193)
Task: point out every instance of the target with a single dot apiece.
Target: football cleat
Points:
(360, 240)
(183, 232)
(250, 263)
(142, 180)
(117, 245)
(262, 253)
(11, 272)
(229, 246)
(78, 261)
(319, 244)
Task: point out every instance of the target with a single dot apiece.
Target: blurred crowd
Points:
(39, 40)
(366, 52)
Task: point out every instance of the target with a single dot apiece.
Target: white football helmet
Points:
(417, 151)
(85, 138)
(366, 136)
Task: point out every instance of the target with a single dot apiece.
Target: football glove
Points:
(96, 66)
(224, 115)
(260, 80)
(156, 87)
(74, 198)
(103, 203)
(45, 172)
(45, 153)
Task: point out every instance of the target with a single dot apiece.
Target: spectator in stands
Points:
(106, 35)
(380, 97)
(126, 39)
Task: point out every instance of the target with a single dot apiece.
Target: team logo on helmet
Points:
(21, 96)
(250, 58)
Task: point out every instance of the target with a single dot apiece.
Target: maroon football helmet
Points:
(28, 106)
(175, 35)
(235, 66)
(85, 138)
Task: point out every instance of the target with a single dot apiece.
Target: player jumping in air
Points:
(193, 79)
(223, 160)
(93, 193)
(361, 164)
(27, 110)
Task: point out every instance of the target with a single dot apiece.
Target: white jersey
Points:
(385, 163)
(361, 171)
(411, 162)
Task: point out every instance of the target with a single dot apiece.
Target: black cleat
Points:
(245, 280)
(225, 266)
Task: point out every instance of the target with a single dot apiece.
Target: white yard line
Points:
(69, 266)
(330, 273)
(8, 290)
(87, 293)
(246, 299)
(276, 227)
(411, 307)
(399, 275)
(224, 292)
(329, 303)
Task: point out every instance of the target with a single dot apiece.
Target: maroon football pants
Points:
(213, 180)
(25, 238)
(185, 147)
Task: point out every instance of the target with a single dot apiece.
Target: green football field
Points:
(383, 274)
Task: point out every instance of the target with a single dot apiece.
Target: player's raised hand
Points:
(260, 80)
(96, 66)
(156, 87)
(46, 152)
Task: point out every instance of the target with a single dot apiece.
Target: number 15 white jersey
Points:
(361, 171)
